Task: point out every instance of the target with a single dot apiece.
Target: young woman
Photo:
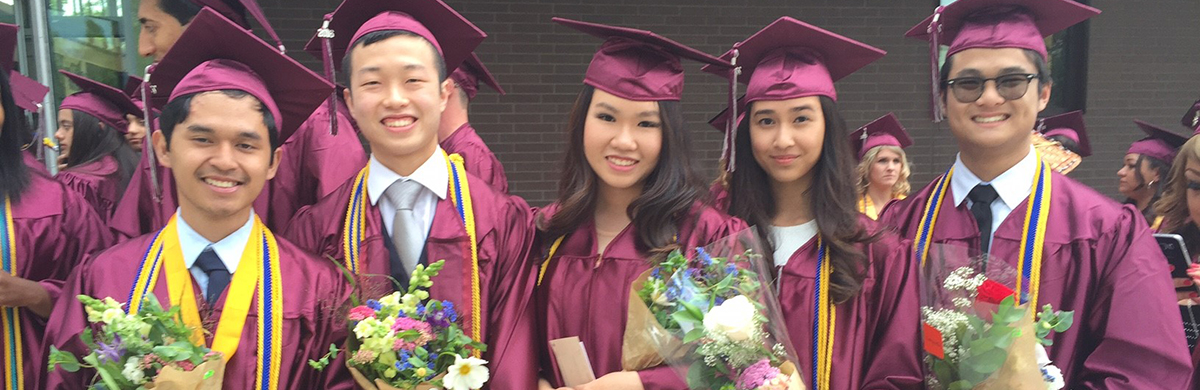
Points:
(1179, 209)
(793, 169)
(1142, 175)
(628, 196)
(883, 167)
(98, 160)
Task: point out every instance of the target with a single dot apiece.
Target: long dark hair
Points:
(92, 140)
(14, 175)
(671, 188)
(1163, 171)
(833, 203)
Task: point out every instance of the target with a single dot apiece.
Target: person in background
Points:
(883, 167)
(98, 160)
(1145, 168)
(457, 136)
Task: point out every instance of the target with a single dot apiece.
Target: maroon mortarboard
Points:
(470, 73)
(789, 59)
(637, 64)
(885, 131)
(994, 24)
(102, 101)
(1071, 126)
(216, 54)
(27, 93)
(1192, 118)
(451, 34)
(8, 45)
(133, 85)
(1160, 143)
(252, 8)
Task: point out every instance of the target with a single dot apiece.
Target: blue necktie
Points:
(218, 275)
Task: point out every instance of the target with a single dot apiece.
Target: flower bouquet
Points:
(150, 349)
(408, 341)
(716, 317)
(977, 334)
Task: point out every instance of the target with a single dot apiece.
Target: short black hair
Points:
(185, 10)
(177, 111)
(1039, 64)
(379, 36)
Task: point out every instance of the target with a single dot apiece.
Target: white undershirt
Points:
(789, 239)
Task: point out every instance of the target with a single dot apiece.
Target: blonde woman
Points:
(883, 167)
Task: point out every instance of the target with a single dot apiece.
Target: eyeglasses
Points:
(1009, 86)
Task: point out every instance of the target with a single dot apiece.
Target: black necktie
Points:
(981, 198)
(218, 275)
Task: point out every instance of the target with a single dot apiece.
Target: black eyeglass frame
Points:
(1027, 78)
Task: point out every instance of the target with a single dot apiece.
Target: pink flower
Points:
(185, 365)
(756, 375)
(404, 324)
(361, 313)
(401, 344)
(363, 357)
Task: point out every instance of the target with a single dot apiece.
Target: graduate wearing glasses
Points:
(1097, 257)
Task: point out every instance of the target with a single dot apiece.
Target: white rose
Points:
(733, 318)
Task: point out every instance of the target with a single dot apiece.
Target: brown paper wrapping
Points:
(646, 343)
(171, 378)
(379, 384)
(789, 369)
(1020, 371)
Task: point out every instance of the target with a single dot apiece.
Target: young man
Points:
(457, 136)
(1086, 253)
(412, 204)
(316, 162)
(234, 99)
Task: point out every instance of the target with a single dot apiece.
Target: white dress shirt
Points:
(789, 239)
(229, 249)
(1013, 186)
(433, 174)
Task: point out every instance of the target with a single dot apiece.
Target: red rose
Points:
(993, 292)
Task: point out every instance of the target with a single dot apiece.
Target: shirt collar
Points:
(229, 249)
(1014, 185)
(433, 174)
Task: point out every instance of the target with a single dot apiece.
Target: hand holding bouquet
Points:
(713, 316)
(149, 349)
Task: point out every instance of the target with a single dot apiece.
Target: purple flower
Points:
(449, 312)
(757, 374)
(110, 352)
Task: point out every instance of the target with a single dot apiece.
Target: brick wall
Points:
(541, 66)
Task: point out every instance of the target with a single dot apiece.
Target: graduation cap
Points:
(215, 54)
(454, 37)
(1192, 118)
(1160, 143)
(1069, 125)
(637, 64)
(252, 8)
(27, 93)
(104, 102)
(470, 73)
(885, 131)
(995, 24)
(789, 59)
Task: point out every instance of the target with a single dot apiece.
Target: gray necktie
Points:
(407, 234)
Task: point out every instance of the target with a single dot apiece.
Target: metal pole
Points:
(45, 74)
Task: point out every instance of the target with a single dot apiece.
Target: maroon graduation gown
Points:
(98, 182)
(580, 297)
(504, 229)
(313, 163)
(54, 229)
(313, 292)
(478, 157)
(1100, 262)
(877, 333)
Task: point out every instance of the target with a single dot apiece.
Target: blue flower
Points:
(374, 305)
(656, 273)
(719, 301)
(110, 352)
(690, 273)
(420, 309)
(448, 311)
(704, 257)
(404, 365)
(673, 291)
(731, 270)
